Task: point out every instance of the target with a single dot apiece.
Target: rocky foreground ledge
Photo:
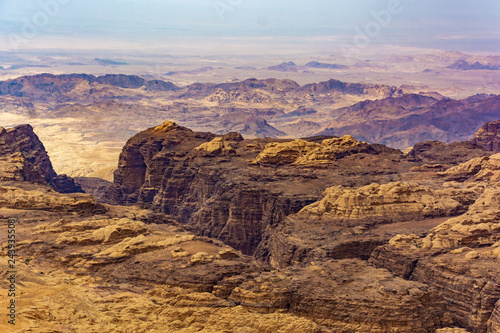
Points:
(216, 233)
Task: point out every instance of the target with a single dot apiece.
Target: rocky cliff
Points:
(23, 157)
(488, 136)
(458, 259)
(230, 188)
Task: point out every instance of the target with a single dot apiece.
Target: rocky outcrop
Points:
(488, 136)
(432, 152)
(351, 223)
(94, 186)
(341, 294)
(220, 193)
(100, 232)
(390, 201)
(220, 145)
(494, 321)
(481, 168)
(27, 196)
(478, 227)
(22, 144)
(458, 259)
(405, 120)
(37, 86)
(23, 157)
(302, 152)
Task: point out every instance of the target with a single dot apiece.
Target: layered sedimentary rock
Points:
(352, 222)
(389, 201)
(481, 168)
(432, 152)
(488, 136)
(341, 294)
(305, 152)
(310, 226)
(28, 196)
(115, 273)
(459, 259)
(23, 158)
(211, 183)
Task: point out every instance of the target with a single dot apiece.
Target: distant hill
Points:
(316, 64)
(55, 86)
(464, 65)
(403, 121)
(107, 62)
(286, 67)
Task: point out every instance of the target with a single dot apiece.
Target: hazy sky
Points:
(464, 25)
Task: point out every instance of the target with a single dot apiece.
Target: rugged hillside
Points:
(336, 235)
(234, 189)
(23, 158)
(488, 136)
(87, 119)
(464, 65)
(401, 122)
(38, 86)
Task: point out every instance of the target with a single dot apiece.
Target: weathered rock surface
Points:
(118, 274)
(481, 168)
(27, 196)
(340, 294)
(433, 152)
(309, 153)
(94, 186)
(458, 259)
(494, 321)
(117, 268)
(217, 146)
(488, 136)
(23, 157)
(187, 175)
(389, 201)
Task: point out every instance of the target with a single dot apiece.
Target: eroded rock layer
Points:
(212, 184)
(23, 157)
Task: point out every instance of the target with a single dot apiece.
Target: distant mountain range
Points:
(290, 66)
(316, 64)
(464, 65)
(402, 121)
(375, 113)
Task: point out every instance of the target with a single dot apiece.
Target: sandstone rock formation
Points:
(402, 121)
(488, 136)
(309, 153)
(432, 152)
(458, 259)
(127, 284)
(115, 273)
(173, 169)
(23, 157)
(26, 196)
(390, 201)
(344, 236)
(481, 168)
(216, 146)
(339, 294)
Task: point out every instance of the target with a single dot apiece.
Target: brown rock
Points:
(303, 152)
(387, 200)
(341, 295)
(23, 157)
(488, 136)
(481, 168)
(216, 146)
